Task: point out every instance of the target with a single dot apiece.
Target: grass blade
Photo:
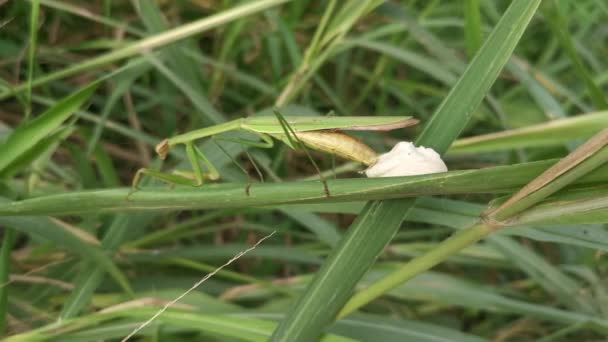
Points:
(223, 326)
(5, 267)
(555, 132)
(30, 133)
(472, 27)
(31, 55)
(318, 306)
(500, 179)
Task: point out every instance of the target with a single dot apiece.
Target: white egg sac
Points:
(405, 159)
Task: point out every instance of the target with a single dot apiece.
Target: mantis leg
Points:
(196, 167)
(194, 178)
(266, 142)
(212, 173)
(295, 142)
(165, 177)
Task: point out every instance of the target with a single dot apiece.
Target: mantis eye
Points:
(405, 159)
(162, 148)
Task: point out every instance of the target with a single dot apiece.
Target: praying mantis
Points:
(320, 133)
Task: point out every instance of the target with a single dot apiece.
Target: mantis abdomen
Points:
(340, 144)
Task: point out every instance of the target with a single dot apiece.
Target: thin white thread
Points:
(209, 275)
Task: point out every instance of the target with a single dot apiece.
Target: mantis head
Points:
(162, 148)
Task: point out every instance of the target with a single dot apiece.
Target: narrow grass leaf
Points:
(584, 159)
(551, 133)
(30, 133)
(592, 210)
(501, 179)
(45, 145)
(31, 54)
(551, 278)
(540, 90)
(122, 84)
(472, 26)
(5, 268)
(379, 328)
(418, 61)
(323, 229)
(223, 326)
(446, 289)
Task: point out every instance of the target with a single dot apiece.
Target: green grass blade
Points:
(418, 61)
(586, 210)
(30, 133)
(552, 133)
(451, 289)
(45, 145)
(472, 27)
(456, 110)
(5, 268)
(542, 93)
(499, 180)
(325, 231)
(223, 326)
(199, 101)
(318, 306)
(380, 328)
(550, 277)
(31, 55)
(122, 84)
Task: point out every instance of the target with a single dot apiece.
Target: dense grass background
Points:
(89, 88)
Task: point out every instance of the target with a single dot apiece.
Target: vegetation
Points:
(294, 244)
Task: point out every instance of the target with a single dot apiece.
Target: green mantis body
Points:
(319, 133)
